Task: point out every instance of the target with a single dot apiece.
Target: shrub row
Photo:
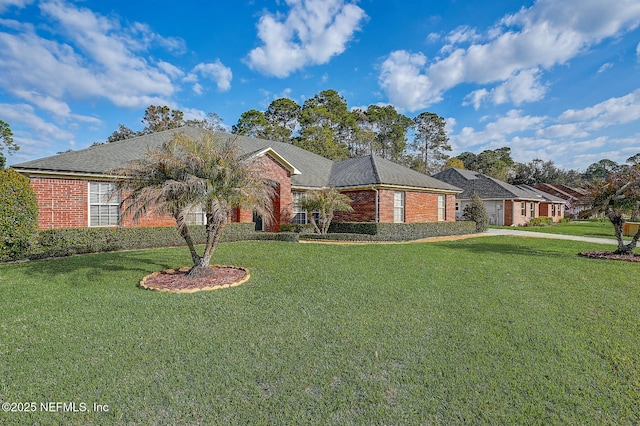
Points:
(394, 231)
(65, 242)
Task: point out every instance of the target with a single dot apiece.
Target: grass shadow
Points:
(87, 269)
(518, 246)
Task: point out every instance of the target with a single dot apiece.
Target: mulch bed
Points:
(176, 281)
(611, 256)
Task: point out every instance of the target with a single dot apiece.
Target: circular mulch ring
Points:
(176, 280)
(611, 256)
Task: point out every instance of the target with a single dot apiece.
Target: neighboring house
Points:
(73, 188)
(550, 205)
(576, 199)
(506, 204)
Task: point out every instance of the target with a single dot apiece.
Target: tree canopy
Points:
(430, 142)
(6, 141)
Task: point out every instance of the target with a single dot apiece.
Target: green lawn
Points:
(593, 228)
(490, 330)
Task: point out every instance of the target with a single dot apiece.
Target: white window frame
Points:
(103, 200)
(533, 210)
(399, 200)
(299, 215)
(442, 208)
(197, 216)
(523, 209)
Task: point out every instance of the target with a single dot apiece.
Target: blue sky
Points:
(551, 79)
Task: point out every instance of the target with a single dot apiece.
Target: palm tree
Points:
(325, 202)
(185, 176)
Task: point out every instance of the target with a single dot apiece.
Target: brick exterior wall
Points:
(364, 207)
(423, 207)
(64, 203)
(555, 214)
(517, 218)
(419, 207)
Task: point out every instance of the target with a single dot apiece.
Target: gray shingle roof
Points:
(485, 186)
(316, 171)
(373, 170)
(545, 196)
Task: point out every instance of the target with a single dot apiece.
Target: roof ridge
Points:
(374, 164)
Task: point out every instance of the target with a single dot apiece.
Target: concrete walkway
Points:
(514, 232)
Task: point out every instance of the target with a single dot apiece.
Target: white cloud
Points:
(572, 130)
(547, 34)
(91, 57)
(523, 87)
(25, 114)
(498, 132)
(613, 111)
(403, 82)
(312, 32)
(605, 67)
(215, 71)
(571, 136)
(5, 4)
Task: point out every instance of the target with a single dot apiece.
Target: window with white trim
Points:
(299, 215)
(442, 208)
(523, 208)
(104, 204)
(398, 207)
(196, 216)
(533, 210)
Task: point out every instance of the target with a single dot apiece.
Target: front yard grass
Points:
(491, 330)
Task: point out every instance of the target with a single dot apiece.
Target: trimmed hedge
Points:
(394, 231)
(291, 237)
(296, 228)
(66, 242)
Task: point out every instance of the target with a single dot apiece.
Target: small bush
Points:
(540, 221)
(18, 214)
(477, 212)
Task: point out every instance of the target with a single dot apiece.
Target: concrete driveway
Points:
(514, 232)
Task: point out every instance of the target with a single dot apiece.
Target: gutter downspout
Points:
(377, 204)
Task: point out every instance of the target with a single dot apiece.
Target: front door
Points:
(257, 219)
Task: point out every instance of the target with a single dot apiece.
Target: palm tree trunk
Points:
(184, 231)
(214, 229)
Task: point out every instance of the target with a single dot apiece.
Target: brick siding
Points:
(64, 203)
(419, 207)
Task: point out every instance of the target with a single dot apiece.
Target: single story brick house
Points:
(72, 188)
(506, 204)
(576, 200)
